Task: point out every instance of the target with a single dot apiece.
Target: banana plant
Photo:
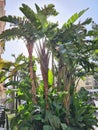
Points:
(72, 48)
(29, 28)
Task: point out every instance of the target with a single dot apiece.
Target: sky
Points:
(66, 9)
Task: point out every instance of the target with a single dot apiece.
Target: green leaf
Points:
(49, 10)
(37, 117)
(20, 93)
(5, 64)
(87, 21)
(29, 13)
(96, 51)
(47, 127)
(50, 77)
(54, 121)
(37, 8)
(64, 126)
(11, 83)
(20, 108)
(82, 12)
(11, 34)
(11, 19)
(74, 18)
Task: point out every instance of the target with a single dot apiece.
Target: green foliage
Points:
(57, 106)
(49, 10)
(29, 116)
(82, 113)
(5, 64)
(30, 14)
(11, 19)
(74, 18)
(47, 127)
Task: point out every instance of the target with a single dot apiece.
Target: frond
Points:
(12, 19)
(29, 13)
(37, 8)
(74, 18)
(87, 21)
(39, 18)
(9, 34)
(49, 10)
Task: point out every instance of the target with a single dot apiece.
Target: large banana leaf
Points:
(30, 15)
(9, 34)
(11, 19)
(74, 18)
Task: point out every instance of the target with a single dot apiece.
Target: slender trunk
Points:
(30, 51)
(67, 84)
(60, 74)
(45, 79)
(66, 102)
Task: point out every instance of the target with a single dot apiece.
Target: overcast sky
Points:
(66, 9)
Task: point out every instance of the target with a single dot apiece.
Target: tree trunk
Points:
(30, 51)
(66, 102)
(66, 76)
(45, 79)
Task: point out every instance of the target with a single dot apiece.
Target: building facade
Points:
(2, 24)
(88, 83)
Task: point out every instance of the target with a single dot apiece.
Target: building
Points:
(89, 83)
(2, 24)
(2, 94)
